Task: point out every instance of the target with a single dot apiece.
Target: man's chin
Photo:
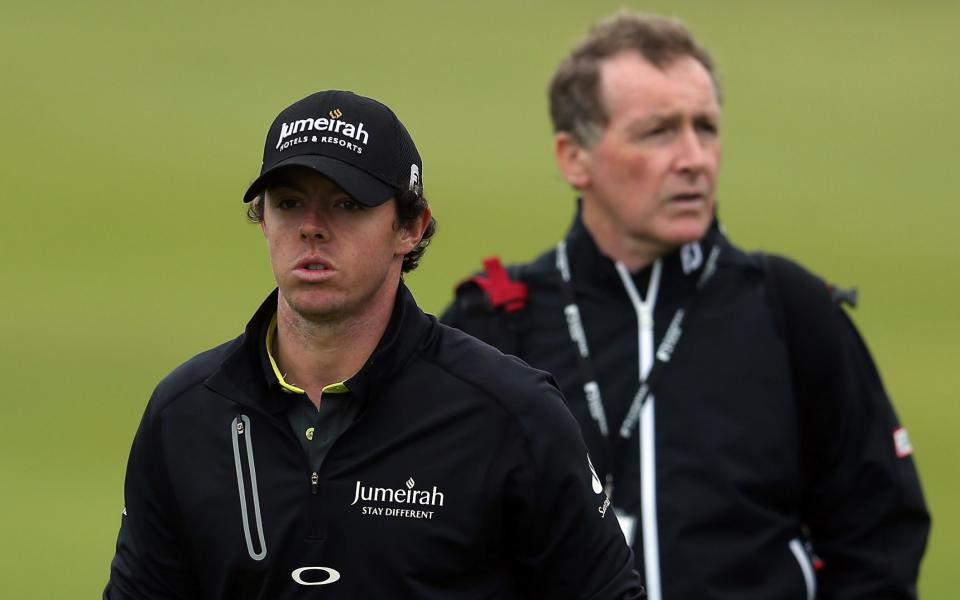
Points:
(310, 307)
(680, 236)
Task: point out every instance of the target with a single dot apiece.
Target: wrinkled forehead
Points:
(628, 82)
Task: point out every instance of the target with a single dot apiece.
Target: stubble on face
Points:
(332, 260)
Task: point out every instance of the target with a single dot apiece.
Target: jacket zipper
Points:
(647, 449)
(806, 567)
(243, 455)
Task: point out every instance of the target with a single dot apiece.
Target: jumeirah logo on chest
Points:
(406, 502)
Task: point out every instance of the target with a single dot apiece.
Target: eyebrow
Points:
(642, 124)
(671, 119)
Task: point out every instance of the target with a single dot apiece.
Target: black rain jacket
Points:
(464, 477)
(754, 493)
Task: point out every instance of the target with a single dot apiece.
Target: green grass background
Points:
(130, 130)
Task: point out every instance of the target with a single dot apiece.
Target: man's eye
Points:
(287, 203)
(707, 127)
(350, 205)
(656, 133)
(646, 135)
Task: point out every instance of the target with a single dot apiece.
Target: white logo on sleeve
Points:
(598, 489)
(901, 442)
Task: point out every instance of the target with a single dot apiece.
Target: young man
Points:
(724, 461)
(346, 444)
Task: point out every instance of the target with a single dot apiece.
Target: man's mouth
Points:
(314, 266)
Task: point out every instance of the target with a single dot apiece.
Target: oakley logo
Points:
(330, 575)
(335, 113)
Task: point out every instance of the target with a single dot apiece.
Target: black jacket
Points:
(464, 477)
(741, 473)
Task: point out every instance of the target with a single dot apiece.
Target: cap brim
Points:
(359, 185)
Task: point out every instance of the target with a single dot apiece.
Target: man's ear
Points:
(411, 233)
(261, 199)
(572, 160)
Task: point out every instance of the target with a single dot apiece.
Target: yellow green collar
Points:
(333, 388)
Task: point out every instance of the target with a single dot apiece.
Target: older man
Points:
(737, 444)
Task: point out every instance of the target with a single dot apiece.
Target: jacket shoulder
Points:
(521, 390)
(190, 374)
(476, 362)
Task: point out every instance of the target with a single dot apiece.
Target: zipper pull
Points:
(314, 483)
(239, 426)
(646, 316)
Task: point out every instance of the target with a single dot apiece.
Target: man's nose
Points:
(315, 225)
(691, 152)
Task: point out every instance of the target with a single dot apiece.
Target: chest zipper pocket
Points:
(247, 472)
(806, 567)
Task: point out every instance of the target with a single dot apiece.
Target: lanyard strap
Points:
(662, 356)
(571, 312)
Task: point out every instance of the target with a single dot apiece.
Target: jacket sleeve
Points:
(864, 505)
(861, 500)
(565, 538)
(151, 561)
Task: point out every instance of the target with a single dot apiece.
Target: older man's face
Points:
(651, 176)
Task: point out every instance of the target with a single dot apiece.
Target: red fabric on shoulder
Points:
(503, 292)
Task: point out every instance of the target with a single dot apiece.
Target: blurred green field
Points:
(130, 131)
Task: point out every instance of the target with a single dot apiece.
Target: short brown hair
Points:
(575, 103)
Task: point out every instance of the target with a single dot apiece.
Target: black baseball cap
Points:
(356, 142)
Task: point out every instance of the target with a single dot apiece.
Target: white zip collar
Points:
(643, 307)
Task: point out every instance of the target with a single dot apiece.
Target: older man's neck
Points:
(614, 243)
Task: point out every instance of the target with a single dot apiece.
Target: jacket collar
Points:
(246, 377)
